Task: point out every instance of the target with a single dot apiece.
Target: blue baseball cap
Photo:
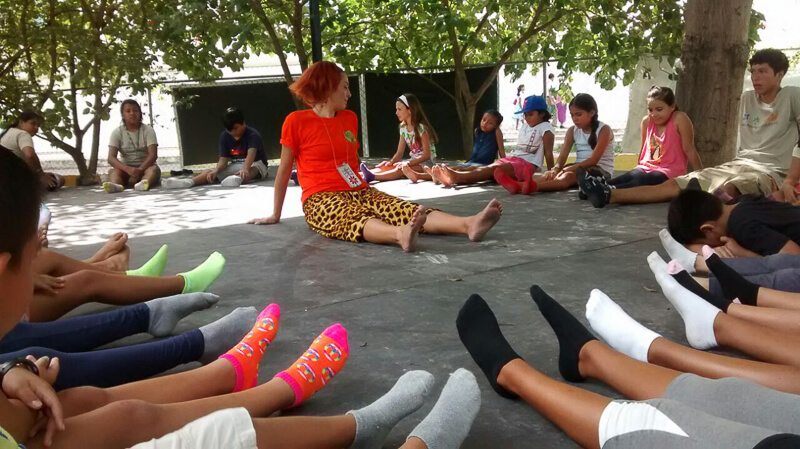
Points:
(534, 103)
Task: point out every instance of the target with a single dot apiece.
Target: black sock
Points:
(480, 333)
(687, 281)
(732, 283)
(571, 334)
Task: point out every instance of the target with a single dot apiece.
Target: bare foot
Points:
(445, 175)
(432, 175)
(43, 242)
(407, 234)
(480, 223)
(410, 174)
(114, 245)
(118, 262)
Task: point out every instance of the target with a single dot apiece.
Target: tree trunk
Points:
(714, 58)
(465, 107)
(649, 72)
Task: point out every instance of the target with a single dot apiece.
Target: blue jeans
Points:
(72, 341)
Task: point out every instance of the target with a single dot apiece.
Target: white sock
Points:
(676, 251)
(142, 186)
(698, 315)
(232, 181)
(177, 183)
(617, 328)
(44, 216)
(111, 187)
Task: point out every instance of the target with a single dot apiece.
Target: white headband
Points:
(404, 100)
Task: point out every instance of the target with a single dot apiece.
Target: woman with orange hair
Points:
(337, 201)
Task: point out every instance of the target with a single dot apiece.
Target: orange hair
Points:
(317, 83)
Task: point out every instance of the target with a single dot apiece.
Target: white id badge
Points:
(347, 174)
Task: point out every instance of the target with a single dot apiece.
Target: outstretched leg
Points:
(474, 227)
(576, 411)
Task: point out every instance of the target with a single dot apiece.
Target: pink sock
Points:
(708, 251)
(246, 355)
(324, 359)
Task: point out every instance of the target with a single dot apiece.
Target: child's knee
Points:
(134, 411)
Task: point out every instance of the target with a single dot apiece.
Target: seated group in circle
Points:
(679, 396)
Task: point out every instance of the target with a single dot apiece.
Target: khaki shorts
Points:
(236, 167)
(746, 178)
(229, 429)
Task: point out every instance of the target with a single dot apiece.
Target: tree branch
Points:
(532, 29)
(415, 71)
(273, 35)
(481, 23)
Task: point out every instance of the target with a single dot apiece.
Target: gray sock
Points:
(375, 421)
(222, 334)
(448, 423)
(166, 312)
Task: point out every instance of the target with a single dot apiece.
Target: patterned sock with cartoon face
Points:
(246, 355)
(316, 367)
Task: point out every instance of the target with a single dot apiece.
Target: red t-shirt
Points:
(319, 145)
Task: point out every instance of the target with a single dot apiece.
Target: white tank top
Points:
(584, 150)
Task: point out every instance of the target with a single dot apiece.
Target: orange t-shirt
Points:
(319, 145)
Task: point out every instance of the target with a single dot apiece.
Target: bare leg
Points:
(474, 227)
(153, 175)
(646, 194)
(450, 177)
(333, 432)
(118, 177)
(564, 181)
(760, 342)
(114, 245)
(96, 286)
(202, 178)
(390, 175)
(634, 379)
(574, 410)
(55, 264)
(254, 175)
(377, 231)
(415, 175)
(785, 320)
(214, 379)
(768, 297)
(129, 422)
(669, 354)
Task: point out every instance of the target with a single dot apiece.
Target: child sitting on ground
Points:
(34, 415)
(136, 142)
(18, 139)
(416, 133)
(755, 226)
(488, 141)
(242, 158)
(593, 145)
(535, 144)
(667, 145)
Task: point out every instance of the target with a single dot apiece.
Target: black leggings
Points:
(638, 177)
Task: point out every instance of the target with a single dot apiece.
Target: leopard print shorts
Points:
(343, 215)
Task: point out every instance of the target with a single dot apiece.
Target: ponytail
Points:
(595, 125)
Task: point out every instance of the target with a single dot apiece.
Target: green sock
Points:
(199, 279)
(153, 267)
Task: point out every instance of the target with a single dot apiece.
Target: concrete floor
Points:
(399, 308)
